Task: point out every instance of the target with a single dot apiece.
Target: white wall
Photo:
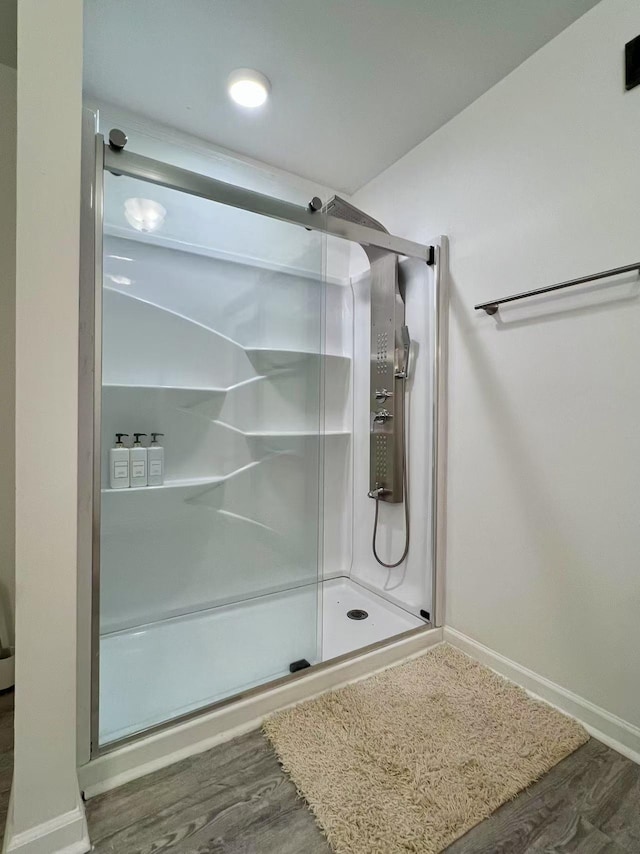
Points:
(45, 813)
(7, 347)
(538, 181)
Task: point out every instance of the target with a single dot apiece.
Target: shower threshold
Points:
(151, 675)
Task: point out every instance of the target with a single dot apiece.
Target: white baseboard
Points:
(601, 724)
(63, 834)
(205, 731)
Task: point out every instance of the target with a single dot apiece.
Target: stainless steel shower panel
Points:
(386, 386)
(389, 355)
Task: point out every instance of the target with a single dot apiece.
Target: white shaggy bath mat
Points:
(412, 758)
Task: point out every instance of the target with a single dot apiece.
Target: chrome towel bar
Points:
(491, 306)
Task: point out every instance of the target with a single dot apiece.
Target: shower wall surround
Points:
(223, 357)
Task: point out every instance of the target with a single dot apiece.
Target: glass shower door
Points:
(212, 334)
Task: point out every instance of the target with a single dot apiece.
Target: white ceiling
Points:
(356, 83)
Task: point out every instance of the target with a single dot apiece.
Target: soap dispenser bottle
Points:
(119, 464)
(155, 457)
(138, 460)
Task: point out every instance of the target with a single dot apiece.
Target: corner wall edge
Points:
(615, 732)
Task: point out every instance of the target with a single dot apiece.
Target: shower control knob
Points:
(378, 492)
(382, 394)
(315, 204)
(117, 139)
(382, 416)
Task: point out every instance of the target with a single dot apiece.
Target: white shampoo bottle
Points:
(119, 464)
(155, 458)
(138, 461)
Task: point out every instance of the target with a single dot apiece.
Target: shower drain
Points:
(357, 614)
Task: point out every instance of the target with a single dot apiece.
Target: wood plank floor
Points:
(6, 752)
(234, 799)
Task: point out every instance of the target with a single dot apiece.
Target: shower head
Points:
(407, 355)
(342, 209)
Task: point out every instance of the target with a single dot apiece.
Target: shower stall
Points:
(298, 400)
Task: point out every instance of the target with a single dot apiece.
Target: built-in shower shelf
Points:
(183, 394)
(280, 434)
(186, 484)
(150, 387)
(267, 359)
(295, 434)
(195, 485)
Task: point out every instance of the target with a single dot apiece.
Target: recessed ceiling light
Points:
(144, 214)
(120, 280)
(248, 88)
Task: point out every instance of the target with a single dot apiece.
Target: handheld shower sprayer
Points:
(407, 358)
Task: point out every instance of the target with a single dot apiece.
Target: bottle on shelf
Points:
(155, 461)
(138, 461)
(119, 464)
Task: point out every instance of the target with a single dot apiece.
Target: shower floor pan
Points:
(153, 674)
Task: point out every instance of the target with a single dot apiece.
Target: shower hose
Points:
(405, 478)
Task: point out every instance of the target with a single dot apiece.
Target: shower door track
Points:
(122, 162)
(257, 690)
(99, 157)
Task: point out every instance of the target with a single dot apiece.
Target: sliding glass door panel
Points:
(212, 339)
